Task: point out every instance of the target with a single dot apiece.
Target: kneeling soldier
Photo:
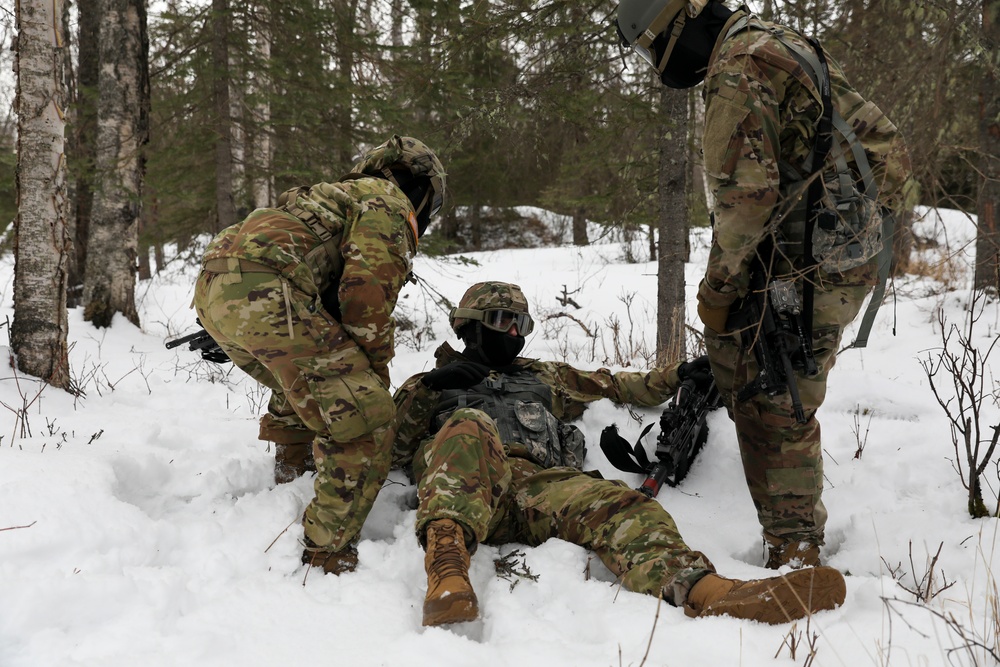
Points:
(300, 297)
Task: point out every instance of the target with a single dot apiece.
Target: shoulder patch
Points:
(722, 120)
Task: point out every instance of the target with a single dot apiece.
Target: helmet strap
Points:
(672, 42)
(674, 11)
(389, 176)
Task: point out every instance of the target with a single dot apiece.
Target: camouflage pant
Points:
(782, 459)
(464, 474)
(322, 389)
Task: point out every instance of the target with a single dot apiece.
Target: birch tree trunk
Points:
(41, 244)
(988, 235)
(241, 198)
(672, 226)
(122, 131)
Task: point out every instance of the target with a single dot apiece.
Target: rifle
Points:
(683, 432)
(202, 342)
(770, 323)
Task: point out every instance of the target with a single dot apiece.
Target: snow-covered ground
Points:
(142, 526)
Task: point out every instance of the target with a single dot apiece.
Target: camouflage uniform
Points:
(300, 297)
(500, 492)
(762, 110)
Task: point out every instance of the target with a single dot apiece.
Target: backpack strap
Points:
(295, 203)
(814, 63)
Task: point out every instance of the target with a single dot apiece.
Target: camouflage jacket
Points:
(572, 389)
(363, 264)
(762, 109)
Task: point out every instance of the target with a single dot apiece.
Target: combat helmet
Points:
(640, 22)
(496, 305)
(400, 157)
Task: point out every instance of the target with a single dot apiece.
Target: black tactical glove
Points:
(457, 375)
(697, 370)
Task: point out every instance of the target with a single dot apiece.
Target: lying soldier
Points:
(486, 436)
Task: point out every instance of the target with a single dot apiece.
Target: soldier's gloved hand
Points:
(457, 375)
(698, 370)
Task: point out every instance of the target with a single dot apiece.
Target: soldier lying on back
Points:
(486, 436)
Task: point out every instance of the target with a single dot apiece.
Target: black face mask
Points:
(416, 190)
(495, 348)
(688, 63)
(686, 67)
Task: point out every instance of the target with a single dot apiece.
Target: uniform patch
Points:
(722, 120)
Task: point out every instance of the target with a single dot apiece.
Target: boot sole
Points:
(787, 598)
(455, 608)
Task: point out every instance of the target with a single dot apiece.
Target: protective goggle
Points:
(435, 203)
(497, 319)
(437, 186)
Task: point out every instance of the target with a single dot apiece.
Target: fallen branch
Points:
(18, 527)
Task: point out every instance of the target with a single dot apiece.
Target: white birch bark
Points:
(41, 245)
(237, 136)
(123, 93)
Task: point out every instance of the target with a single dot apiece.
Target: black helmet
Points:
(414, 167)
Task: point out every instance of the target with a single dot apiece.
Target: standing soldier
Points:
(487, 438)
(771, 100)
(301, 296)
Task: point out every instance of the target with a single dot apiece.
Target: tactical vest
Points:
(521, 407)
(850, 226)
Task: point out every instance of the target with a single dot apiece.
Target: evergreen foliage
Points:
(528, 102)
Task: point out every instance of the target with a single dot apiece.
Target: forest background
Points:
(528, 103)
(134, 126)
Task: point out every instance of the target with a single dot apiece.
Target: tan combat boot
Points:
(776, 600)
(794, 553)
(450, 598)
(332, 562)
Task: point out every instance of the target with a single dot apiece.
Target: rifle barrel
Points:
(171, 344)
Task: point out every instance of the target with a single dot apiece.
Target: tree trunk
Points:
(241, 196)
(144, 267)
(41, 245)
(396, 31)
(225, 207)
(84, 140)
(475, 227)
(261, 148)
(672, 226)
(123, 129)
(988, 236)
(346, 12)
(580, 227)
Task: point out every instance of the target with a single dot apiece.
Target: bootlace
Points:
(448, 559)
